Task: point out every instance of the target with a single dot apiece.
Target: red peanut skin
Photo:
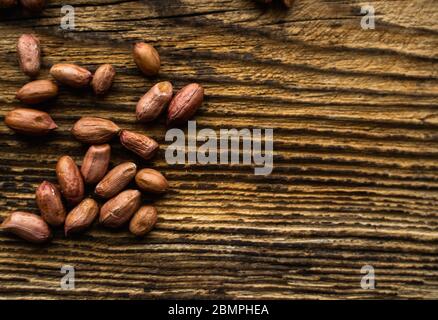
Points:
(146, 58)
(27, 226)
(70, 180)
(29, 54)
(116, 180)
(118, 210)
(30, 121)
(151, 180)
(49, 201)
(81, 217)
(138, 143)
(143, 221)
(185, 104)
(103, 79)
(95, 163)
(37, 91)
(71, 75)
(94, 130)
(150, 106)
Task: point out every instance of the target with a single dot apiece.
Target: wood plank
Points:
(355, 182)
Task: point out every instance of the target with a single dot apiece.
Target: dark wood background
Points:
(355, 124)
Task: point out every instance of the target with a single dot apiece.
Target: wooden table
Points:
(355, 178)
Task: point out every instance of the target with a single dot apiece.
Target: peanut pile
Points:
(121, 206)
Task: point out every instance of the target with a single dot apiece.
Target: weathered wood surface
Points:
(355, 124)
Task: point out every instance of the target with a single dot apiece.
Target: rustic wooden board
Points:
(355, 121)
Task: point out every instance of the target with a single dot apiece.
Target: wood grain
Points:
(355, 122)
